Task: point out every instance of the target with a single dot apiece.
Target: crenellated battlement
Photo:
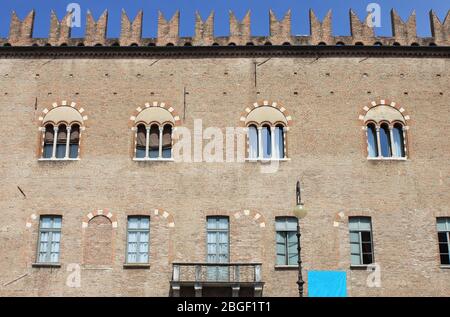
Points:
(403, 33)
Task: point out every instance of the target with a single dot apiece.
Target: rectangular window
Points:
(287, 242)
(137, 240)
(443, 228)
(49, 239)
(217, 247)
(361, 246)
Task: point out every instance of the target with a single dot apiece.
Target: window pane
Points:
(443, 248)
(286, 224)
(217, 239)
(442, 237)
(154, 142)
(46, 222)
(73, 151)
(143, 237)
(145, 223)
(279, 142)
(385, 141)
(133, 222)
(292, 248)
(365, 236)
(354, 237)
(48, 150)
(355, 259)
(364, 223)
(445, 259)
(132, 258)
(223, 223)
(367, 258)
(443, 224)
(60, 150)
(354, 248)
(252, 142)
(167, 141)
(57, 222)
(140, 152)
(372, 140)
(143, 258)
(266, 142)
(399, 149)
(366, 247)
(132, 236)
(281, 247)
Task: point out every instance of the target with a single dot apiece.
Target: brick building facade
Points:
(326, 97)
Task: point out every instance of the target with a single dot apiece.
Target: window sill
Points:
(57, 159)
(286, 267)
(445, 266)
(136, 265)
(387, 158)
(359, 267)
(153, 159)
(266, 160)
(46, 265)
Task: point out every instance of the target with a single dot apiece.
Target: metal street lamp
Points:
(299, 212)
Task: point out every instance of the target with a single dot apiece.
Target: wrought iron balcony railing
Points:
(234, 273)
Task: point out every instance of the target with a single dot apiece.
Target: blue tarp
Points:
(327, 284)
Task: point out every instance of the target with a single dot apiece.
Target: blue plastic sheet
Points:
(327, 284)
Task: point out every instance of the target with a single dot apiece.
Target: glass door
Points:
(218, 248)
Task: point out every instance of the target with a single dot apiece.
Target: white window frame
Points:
(447, 232)
(359, 231)
(393, 156)
(147, 142)
(55, 142)
(138, 231)
(50, 231)
(260, 157)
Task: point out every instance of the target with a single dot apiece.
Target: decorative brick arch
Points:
(175, 115)
(168, 216)
(282, 109)
(100, 212)
(384, 102)
(55, 105)
(258, 218)
(30, 219)
(275, 105)
(403, 113)
(64, 103)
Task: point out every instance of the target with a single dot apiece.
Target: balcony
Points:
(216, 279)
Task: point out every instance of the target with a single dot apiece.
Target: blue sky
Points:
(259, 13)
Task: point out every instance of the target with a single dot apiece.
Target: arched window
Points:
(252, 142)
(266, 130)
(140, 141)
(385, 140)
(154, 127)
(62, 126)
(398, 146)
(49, 139)
(153, 149)
(385, 132)
(279, 141)
(372, 140)
(61, 141)
(266, 139)
(167, 141)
